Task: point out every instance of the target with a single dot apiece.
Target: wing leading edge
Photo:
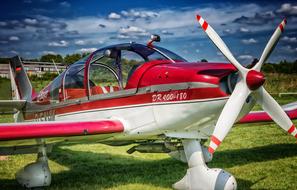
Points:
(32, 130)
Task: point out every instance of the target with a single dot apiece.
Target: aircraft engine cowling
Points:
(227, 85)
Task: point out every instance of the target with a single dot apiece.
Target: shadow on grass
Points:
(230, 158)
(107, 170)
(101, 170)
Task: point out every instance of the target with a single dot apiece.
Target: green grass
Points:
(5, 89)
(39, 84)
(276, 82)
(259, 156)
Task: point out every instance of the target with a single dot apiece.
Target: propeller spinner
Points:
(250, 80)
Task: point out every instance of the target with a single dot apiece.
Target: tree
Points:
(268, 68)
(50, 57)
(4, 60)
(84, 54)
(69, 59)
(253, 63)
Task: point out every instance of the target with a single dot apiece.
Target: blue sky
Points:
(31, 28)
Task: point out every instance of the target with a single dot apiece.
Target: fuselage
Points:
(159, 97)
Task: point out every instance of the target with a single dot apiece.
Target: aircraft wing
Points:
(262, 116)
(11, 106)
(34, 130)
(21, 138)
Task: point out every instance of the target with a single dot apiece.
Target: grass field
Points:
(260, 156)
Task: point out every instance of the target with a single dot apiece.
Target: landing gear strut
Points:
(36, 174)
(199, 176)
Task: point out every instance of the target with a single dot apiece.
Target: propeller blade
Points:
(229, 115)
(274, 110)
(216, 39)
(271, 44)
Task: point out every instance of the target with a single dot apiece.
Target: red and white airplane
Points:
(143, 94)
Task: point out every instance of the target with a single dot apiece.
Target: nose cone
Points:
(254, 79)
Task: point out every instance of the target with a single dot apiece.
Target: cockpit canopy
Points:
(106, 70)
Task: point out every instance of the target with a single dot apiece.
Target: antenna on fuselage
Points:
(56, 67)
(154, 38)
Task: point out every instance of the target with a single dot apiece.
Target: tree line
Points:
(67, 60)
(283, 66)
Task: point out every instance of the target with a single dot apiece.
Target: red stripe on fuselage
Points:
(192, 94)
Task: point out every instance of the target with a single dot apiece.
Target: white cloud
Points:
(289, 49)
(3, 23)
(131, 32)
(130, 29)
(179, 22)
(80, 42)
(31, 21)
(114, 16)
(139, 14)
(61, 43)
(244, 30)
(289, 39)
(249, 41)
(219, 53)
(14, 52)
(287, 8)
(122, 36)
(87, 50)
(166, 32)
(65, 4)
(14, 38)
(228, 31)
(245, 57)
(49, 52)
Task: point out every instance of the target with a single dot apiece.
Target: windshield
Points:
(170, 54)
(155, 53)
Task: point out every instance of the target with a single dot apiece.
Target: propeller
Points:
(250, 82)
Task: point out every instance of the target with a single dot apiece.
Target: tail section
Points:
(20, 83)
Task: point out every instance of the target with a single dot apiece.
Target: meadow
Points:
(260, 156)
